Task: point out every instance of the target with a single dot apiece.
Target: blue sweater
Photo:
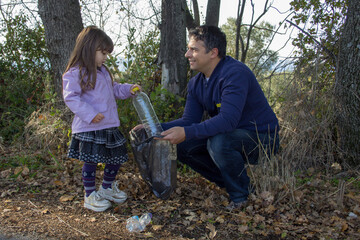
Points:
(233, 99)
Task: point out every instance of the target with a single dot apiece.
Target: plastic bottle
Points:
(146, 114)
(136, 224)
(145, 219)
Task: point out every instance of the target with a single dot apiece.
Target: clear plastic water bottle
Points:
(136, 224)
(133, 224)
(146, 114)
(145, 219)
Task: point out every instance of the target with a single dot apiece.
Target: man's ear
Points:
(214, 52)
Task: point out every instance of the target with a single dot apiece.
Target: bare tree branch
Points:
(329, 52)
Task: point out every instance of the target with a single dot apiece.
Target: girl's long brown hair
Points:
(89, 40)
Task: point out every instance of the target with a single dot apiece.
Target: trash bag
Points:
(156, 160)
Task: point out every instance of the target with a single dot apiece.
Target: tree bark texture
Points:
(62, 23)
(173, 46)
(240, 14)
(213, 12)
(348, 85)
(190, 21)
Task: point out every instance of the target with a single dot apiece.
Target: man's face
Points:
(198, 58)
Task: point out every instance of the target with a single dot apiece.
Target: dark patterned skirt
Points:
(101, 146)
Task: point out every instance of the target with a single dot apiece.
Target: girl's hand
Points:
(137, 127)
(135, 86)
(98, 118)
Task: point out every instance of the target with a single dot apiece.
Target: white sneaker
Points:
(113, 193)
(96, 202)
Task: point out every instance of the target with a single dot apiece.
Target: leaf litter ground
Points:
(49, 205)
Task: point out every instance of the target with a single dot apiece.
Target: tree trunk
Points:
(190, 21)
(213, 12)
(240, 15)
(173, 46)
(62, 23)
(348, 85)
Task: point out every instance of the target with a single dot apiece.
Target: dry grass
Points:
(308, 137)
(48, 129)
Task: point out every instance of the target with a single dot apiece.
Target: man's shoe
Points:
(236, 206)
(113, 193)
(96, 202)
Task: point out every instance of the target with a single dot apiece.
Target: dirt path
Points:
(49, 205)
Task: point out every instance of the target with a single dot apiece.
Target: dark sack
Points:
(156, 160)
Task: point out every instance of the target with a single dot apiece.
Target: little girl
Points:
(90, 93)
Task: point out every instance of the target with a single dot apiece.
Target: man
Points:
(241, 121)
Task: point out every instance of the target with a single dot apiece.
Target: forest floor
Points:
(42, 199)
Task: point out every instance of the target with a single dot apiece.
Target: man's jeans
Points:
(222, 158)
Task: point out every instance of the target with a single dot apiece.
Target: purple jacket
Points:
(87, 104)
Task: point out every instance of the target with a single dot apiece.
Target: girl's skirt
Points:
(101, 146)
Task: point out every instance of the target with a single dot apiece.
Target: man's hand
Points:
(98, 118)
(174, 135)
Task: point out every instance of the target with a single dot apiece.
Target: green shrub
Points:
(24, 65)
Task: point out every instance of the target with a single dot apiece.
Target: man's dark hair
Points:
(212, 37)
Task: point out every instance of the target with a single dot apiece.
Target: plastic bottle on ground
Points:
(136, 224)
(145, 219)
(146, 114)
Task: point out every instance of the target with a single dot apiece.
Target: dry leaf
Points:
(302, 219)
(45, 211)
(356, 210)
(203, 217)
(209, 202)
(17, 170)
(344, 227)
(220, 219)
(5, 174)
(66, 198)
(336, 166)
(58, 183)
(92, 219)
(191, 218)
(298, 195)
(270, 209)
(149, 235)
(186, 223)
(353, 196)
(157, 227)
(212, 230)
(243, 228)
(258, 218)
(25, 171)
(267, 196)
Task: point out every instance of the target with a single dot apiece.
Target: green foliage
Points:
(24, 64)
(324, 21)
(259, 58)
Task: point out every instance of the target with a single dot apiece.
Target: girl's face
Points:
(100, 57)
